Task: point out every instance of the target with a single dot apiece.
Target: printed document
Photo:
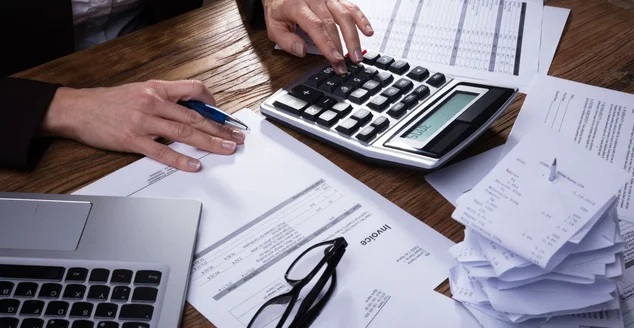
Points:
(272, 200)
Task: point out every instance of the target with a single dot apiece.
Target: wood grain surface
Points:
(241, 68)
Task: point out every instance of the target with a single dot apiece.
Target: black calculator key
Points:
(370, 57)
(135, 325)
(421, 91)
(330, 85)
(384, 62)
(136, 312)
(81, 310)
(316, 80)
(50, 290)
(385, 78)
(358, 81)
(6, 287)
(77, 274)
(410, 100)
(145, 294)
(32, 307)
(31, 323)
(99, 275)
(363, 116)
(328, 118)
(325, 102)
(285, 102)
(399, 67)
(380, 123)
(120, 294)
(106, 310)
(307, 94)
(312, 112)
(31, 272)
(392, 93)
(57, 323)
(8, 306)
(436, 80)
(348, 126)
(108, 324)
(9, 322)
(359, 96)
(25, 289)
(83, 324)
(418, 74)
(397, 110)
(75, 292)
(56, 308)
(373, 86)
(342, 78)
(404, 84)
(369, 72)
(367, 133)
(355, 68)
(344, 91)
(379, 103)
(342, 109)
(329, 71)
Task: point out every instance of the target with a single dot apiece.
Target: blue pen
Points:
(213, 113)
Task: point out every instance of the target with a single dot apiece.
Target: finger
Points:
(184, 90)
(282, 34)
(167, 155)
(359, 18)
(345, 19)
(181, 114)
(189, 135)
(314, 27)
(322, 11)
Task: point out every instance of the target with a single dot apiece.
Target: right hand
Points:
(128, 118)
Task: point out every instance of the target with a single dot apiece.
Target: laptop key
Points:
(108, 324)
(106, 310)
(50, 290)
(32, 323)
(32, 307)
(99, 275)
(83, 324)
(76, 292)
(25, 289)
(145, 294)
(98, 293)
(6, 287)
(9, 306)
(136, 325)
(57, 323)
(9, 322)
(136, 312)
(56, 308)
(31, 272)
(77, 274)
(81, 310)
(120, 294)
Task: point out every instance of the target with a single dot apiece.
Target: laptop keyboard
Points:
(77, 297)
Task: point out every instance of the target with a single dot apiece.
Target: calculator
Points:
(389, 111)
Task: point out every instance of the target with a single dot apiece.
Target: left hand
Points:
(320, 20)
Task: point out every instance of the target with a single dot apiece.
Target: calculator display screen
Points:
(452, 106)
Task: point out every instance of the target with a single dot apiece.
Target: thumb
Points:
(287, 39)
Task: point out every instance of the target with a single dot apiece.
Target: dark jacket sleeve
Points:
(24, 105)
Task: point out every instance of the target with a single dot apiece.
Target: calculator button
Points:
(290, 104)
(369, 72)
(358, 81)
(312, 112)
(370, 57)
(359, 96)
(392, 94)
(421, 91)
(410, 100)
(384, 62)
(373, 86)
(307, 94)
(436, 80)
(404, 84)
(363, 116)
(379, 103)
(397, 110)
(399, 67)
(329, 71)
(330, 85)
(355, 68)
(328, 118)
(316, 80)
(348, 126)
(343, 78)
(385, 78)
(418, 74)
(380, 123)
(342, 109)
(326, 102)
(367, 133)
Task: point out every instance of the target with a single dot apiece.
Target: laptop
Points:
(70, 261)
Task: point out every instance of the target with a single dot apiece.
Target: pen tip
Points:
(555, 162)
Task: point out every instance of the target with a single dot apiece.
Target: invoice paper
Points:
(270, 201)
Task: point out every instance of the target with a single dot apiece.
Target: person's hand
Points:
(319, 19)
(130, 117)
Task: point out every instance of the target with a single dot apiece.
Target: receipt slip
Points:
(517, 207)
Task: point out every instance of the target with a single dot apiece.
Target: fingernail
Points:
(342, 68)
(358, 56)
(228, 145)
(369, 28)
(336, 54)
(238, 135)
(194, 164)
(298, 49)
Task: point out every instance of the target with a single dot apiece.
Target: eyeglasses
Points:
(321, 259)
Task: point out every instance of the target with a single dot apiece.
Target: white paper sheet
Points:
(271, 200)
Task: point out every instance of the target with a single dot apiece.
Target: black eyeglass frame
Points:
(307, 313)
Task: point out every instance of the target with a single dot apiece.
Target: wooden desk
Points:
(213, 45)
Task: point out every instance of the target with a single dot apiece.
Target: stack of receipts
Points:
(542, 252)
